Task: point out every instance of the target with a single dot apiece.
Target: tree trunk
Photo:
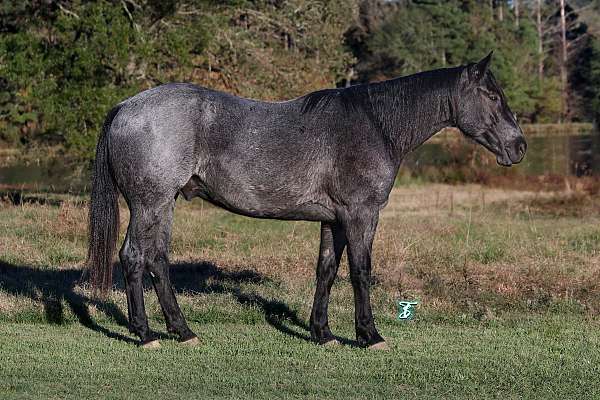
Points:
(500, 11)
(563, 60)
(540, 31)
(516, 5)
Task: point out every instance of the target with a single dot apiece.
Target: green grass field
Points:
(508, 284)
(535, 358)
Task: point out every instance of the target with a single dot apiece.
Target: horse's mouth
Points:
(506, 160)
(506, 155)
(503, 158)
(512, 154)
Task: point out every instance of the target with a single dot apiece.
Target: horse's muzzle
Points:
(512, 153)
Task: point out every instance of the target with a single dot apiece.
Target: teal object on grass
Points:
(406, 310)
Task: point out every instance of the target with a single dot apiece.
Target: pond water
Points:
(47, 175)
(576, 155)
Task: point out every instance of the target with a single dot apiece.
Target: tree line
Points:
(63, 64)
(547, 53)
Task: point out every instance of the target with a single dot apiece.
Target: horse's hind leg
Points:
(146, 246)
(132, 258)
(333, 241)
(157, 263)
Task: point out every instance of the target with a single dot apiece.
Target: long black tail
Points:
(103, 215)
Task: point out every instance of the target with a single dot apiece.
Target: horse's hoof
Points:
(331, 343)
(383, 346)
(154, 344)
(192, 342)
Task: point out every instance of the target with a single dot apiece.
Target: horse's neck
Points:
(413, 109)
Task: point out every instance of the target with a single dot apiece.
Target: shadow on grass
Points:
(54, 287)
(208, 278)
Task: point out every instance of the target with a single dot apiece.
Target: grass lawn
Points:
(533, 358)
(508, 284)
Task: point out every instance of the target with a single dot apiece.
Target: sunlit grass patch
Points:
(520, 358)
(586, 243)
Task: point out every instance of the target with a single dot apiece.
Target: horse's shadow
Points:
(54, 288)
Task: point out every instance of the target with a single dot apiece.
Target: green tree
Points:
(64, 64)
(63, 72)
(594, 81)
(426, 35)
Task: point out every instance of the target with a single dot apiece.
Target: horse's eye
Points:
(493, 97)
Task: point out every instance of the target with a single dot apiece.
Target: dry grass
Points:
(476, 251)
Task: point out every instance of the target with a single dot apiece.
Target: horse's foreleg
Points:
(158, 266)
(332, 246)
(360, 229)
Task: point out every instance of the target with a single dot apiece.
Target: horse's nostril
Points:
(522, 148)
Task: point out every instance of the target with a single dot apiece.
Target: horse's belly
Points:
(259, 202)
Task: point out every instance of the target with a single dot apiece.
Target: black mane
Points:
(354, 98)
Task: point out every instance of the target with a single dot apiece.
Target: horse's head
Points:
(483, 115)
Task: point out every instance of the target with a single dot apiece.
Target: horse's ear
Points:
(477, 71)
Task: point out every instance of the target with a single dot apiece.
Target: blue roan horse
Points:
(329, 156)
